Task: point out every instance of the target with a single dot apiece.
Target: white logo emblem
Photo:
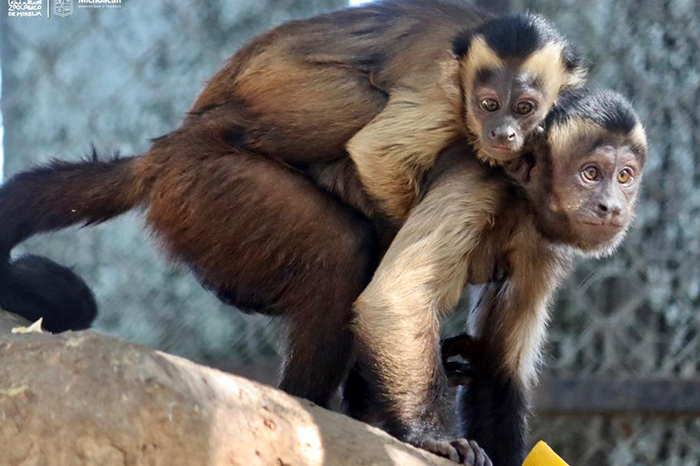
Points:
(63, 8)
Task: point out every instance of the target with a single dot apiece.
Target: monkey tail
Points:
(50, 198)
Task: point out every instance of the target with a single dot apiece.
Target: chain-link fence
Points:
(623, 368)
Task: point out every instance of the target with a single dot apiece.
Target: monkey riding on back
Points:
(344, 115)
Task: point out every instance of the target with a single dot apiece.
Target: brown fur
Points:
(253, 229)
(256, 193)
(379, 81)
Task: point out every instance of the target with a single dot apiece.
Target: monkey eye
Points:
(524, 107)
(590, 173)
(490, 105)
(625, 176)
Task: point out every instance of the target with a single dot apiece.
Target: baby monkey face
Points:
(506, 105)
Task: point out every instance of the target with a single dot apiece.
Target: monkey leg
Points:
(510, 321)
(266, 239)
(294, 109)
(359, 399)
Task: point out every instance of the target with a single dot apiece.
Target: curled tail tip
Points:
(34, 286)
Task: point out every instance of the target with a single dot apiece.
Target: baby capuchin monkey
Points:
(573, 193)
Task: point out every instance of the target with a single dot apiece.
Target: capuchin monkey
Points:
(390, 84)
(573, 193)
(292, 173)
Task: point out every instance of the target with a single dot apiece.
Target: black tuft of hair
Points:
(606, 108)
(518, 36)
(461, 43)
(34, 287)
(93, 156)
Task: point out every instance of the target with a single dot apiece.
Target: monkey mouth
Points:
(600, 231)
(604, 224)
(500, 152)
(500, 148)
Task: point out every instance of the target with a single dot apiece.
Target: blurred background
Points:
(622, 382)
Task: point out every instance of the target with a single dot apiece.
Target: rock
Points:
(81, 398)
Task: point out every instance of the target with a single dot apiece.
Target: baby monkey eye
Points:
(625, 176)
(590, 173)
(490, 105)
(524, 107)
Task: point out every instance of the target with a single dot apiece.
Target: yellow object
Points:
(34, 328)
(542, 455)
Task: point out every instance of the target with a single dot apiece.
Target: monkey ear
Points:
(461, 43)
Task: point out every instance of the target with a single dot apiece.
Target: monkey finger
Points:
(440, 447)
(466, 452)
(482, 458)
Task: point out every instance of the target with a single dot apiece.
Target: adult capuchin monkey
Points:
(275, 187)
(574, 195)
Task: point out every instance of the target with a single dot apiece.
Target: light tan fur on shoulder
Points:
(398, 147)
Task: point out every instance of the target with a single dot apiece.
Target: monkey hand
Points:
(459, 450)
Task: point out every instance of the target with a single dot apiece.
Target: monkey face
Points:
(584, 174)
(514, 68)
(595, 192)
(504, 107)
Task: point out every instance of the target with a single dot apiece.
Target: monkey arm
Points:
(510, 320)
(421, 275)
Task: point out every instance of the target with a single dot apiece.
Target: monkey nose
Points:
(501, 136)
(606, 209)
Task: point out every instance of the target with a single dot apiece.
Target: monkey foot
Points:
(460, 450)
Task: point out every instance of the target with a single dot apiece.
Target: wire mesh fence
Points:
(116, 78)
